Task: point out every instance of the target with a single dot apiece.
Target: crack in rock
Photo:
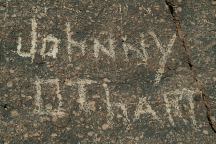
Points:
(172, 8)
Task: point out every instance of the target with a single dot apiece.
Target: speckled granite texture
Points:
(111, 71)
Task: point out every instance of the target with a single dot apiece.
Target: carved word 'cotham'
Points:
(172, 100)
(50, 47)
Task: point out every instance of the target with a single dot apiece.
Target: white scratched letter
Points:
(59, 111)
(143, 47)
(99, 47)
(72, 43)
(173, 102)
(123, 107)
(148, 110)
(108, 104)
(128, 47)
(33, 42)
(165, 52)
(81, 84)
(54, 50)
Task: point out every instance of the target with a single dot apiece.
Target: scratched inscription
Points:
(97, 47)
(50, 48)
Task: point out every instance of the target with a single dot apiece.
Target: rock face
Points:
(95, 71)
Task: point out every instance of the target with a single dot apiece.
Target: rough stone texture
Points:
(95, 71)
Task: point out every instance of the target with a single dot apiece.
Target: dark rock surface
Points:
(93, 71)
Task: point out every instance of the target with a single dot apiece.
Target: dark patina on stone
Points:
(90, 71)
